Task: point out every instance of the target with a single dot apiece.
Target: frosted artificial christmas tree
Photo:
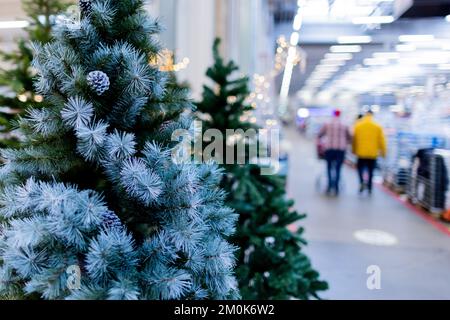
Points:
(93, 204)
(271, 261)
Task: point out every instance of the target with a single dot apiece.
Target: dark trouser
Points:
(368, 164)
(335, 159)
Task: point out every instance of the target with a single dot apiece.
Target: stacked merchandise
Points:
(430, 180)
(402, 147)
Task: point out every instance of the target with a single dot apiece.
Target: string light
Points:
(287, 53)
(231, 99)
(38, 98)
(166, 62)
(22, 97)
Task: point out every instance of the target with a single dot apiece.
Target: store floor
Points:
(416, 267)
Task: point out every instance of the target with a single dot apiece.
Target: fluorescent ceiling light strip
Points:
(19, 24)
(405, 47)
(386, 55)
(335, 61)
(284, 92)
(338, 56)
(423, 60)
(326, 62)
(321, 76)
(415, 37)
(373, 20)
(297, 25)
(375, 62)
(315, 81)
(346, 48)
(294, 38)
(326, 69)
(445, 66)
(354, 39)
(291, 52)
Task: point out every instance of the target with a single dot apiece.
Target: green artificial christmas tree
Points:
(95, 202)
(18, 78)
(271, 263)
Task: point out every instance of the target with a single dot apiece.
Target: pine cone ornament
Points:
(85, 7)
(111, 220)
(98, 81)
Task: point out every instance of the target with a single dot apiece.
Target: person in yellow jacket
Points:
(368, 144)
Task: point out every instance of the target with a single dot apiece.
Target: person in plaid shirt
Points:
(336, 137)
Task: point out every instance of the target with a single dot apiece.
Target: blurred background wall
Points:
(245, 27)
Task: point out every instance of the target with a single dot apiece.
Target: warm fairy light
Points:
(271, 122)
(166, 62)
(22, 97)
(231, 99)
(297, 55)
(38, 98)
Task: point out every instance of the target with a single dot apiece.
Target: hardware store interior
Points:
(352, 98)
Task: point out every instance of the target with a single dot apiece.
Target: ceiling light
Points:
(345, 48)
(19, 24)
(373, 20)
(326, 62)
(423, 60)
(294, 38)
(375, 62)
(291, 52)
(327, 68)
(321, 75)
(444, 66)
(416, 37)
(338, 56)
(324, 75)
(386, 55)
(354, 39)
(297, 22)
(303, 113)
(405, 48)
(447, 18)
(319, 79)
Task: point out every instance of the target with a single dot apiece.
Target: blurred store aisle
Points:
(416, 267)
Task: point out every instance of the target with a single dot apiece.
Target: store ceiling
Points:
(421, 18)
(285, 10)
